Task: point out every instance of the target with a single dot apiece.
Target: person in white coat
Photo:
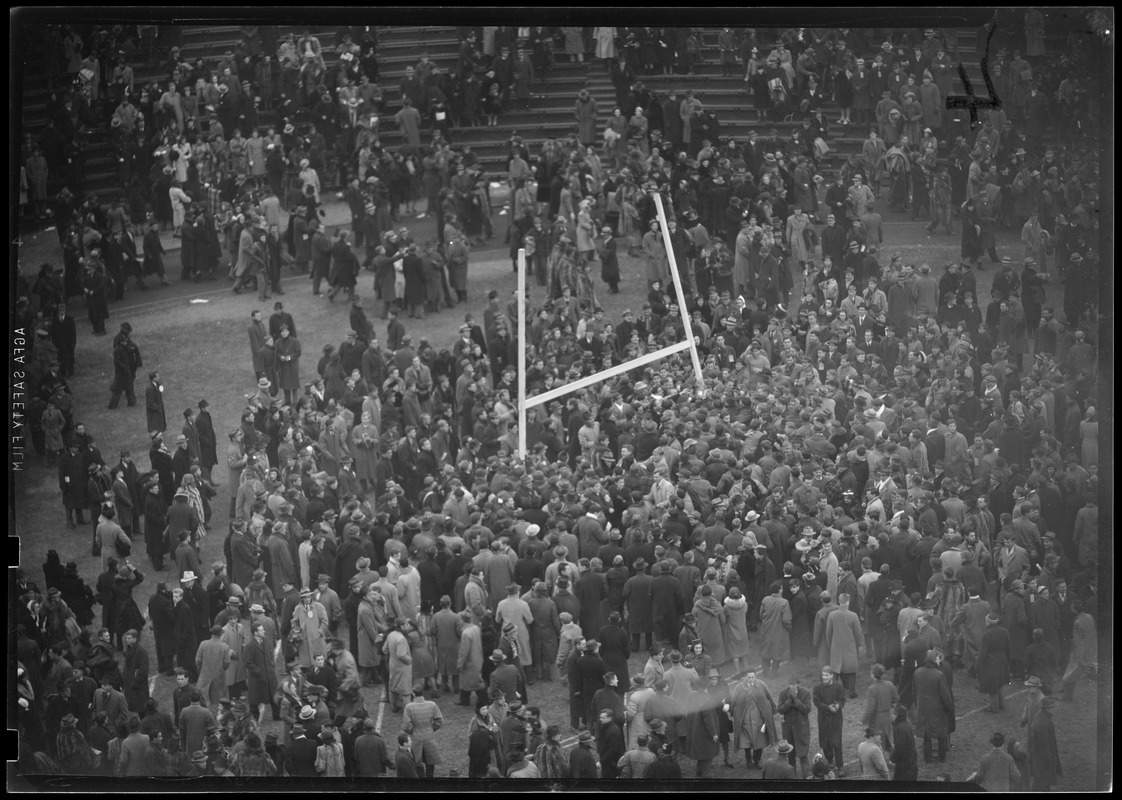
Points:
(409, 589)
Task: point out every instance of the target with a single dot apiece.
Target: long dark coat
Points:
(1015, 621)
(795, 708)
(667, 606)
(288, 372)
(125, 612)
(162, 614)
(637, 596)
(615, 649)
(154, 406)
(802, 646)
(904, 754)
(208, 444)
(155, 520)
(135, 677)
(261, 672)
(993, 660)
(186, 636)
(934, 703)
(1044, 756)
(414, 270)
(591, 590)
(701, 725)
(609, 262)
(748, 706)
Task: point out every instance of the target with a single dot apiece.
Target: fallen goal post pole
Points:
(525, 403)
(604, 375)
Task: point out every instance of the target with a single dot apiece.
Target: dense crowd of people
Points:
(878, 477)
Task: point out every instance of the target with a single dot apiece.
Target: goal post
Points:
(525, 403)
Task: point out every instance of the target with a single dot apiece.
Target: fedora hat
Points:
(498, 656)
(784, 747)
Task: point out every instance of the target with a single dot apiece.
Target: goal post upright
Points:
(676, 277)
(522, 343)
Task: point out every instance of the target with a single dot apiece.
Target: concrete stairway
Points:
(551, 109)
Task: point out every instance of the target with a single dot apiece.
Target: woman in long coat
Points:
(126, 614)
(585, 111)
(605, 42)
(711, 622)
(424, 665)
(753, 716)
(736, 627)
(950, 596)
(574, 42)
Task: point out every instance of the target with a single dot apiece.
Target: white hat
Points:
(187, 576)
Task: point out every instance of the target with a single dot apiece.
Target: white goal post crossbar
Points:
(525, 403)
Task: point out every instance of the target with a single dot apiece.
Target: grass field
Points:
(202, 352)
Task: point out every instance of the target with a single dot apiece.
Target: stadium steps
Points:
(551, 112)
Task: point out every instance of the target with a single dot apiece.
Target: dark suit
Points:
(300, 759)
(505, 679)
(406, 765)
(371, 757)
